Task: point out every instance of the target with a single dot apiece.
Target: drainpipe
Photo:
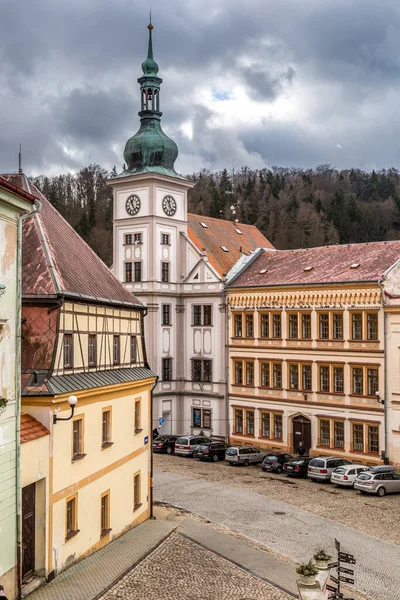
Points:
(37, 209)
(227, 412)
(151, 450)
(385, 404)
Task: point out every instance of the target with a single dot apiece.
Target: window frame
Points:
(166, 315)
(237, 368)
(68, 350)
(137, 415)
(250, 422)
(128, 272)
(165, 274)
(276, 325)
(138, 238)
(265, 417)
(325, 323)
(277, 424)
(116, 349)
(365, 368)
(167, 368)
(133, 344)
(105, 526)
(308, 323)
(137, 491)
(165, 239)
(237, 325)
(204, 368)
(293, 325)
(238, 417)
(249, 325)
(92, 337)
(264, 325)
(72, 531)
(368, 440)
(128, 239)
(324, 436)
(137, 271)
(205, 416)
(106, 440)
(81, 438)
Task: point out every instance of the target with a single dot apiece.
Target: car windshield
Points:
(364, 476)
(317, 463)
(231, 451)
(183, 441)
(340, 470)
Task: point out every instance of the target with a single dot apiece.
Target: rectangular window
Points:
(356, 326)
(197, 314)
(166, 314)
(250, 422)
(324, 379)
(276, 326)
(238, 421)
(293, 326)
(238, 372)
(277, 375)
(136, 492)
(306, 378)
(306, 326)
(293, 377)
(71, 517)
(325, 433)
(201, 370)
(358, 381)
(196, 370)
(105, 514)
(77, 438)
(165, 239)
(92, 350)
(337, 326)
(323, 326)
(338, 434)
(202, 314)
(128, 272)
(266, 425)
(137, 238)
(338, 380)
(133, 349)
(278, 427)
(373, 439)
(138, 271)
(166, 369)
(206, 418)
(238, 326)
(265, 379)
(165, 272)
(128, 239)
(207, 315)
(358, 437)
(116, 349)
(106, 427)
(138, 416)
(249, 373)
(372, 379)
(372, 326)
(207, 370)
(196, 417)
(249, 325)
(264, 326)
(68, 351)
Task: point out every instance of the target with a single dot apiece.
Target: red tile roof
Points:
(9, 185)
(327, 264)
(31, 429)
(56, 260)
(220, 233)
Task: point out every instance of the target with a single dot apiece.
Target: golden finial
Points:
(150, 26)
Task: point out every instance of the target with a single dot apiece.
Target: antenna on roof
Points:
(20, 159)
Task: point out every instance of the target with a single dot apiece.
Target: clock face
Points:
(133, 205)
(169, 205)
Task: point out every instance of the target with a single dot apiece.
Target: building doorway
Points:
(28, 531)
(301, 432)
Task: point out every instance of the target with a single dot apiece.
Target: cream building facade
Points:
(314, 351)
(13, 203)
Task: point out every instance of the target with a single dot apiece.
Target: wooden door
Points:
(302, 432)
(28, 531)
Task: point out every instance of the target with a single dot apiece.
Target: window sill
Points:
(331, 393)
(71, 534)
(106, 445)
(136, 507)
(78, 457)
(138, 431)
(166, 324)
(105, 532)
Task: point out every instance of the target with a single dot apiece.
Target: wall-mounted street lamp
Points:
(72, 400)
(379, 399)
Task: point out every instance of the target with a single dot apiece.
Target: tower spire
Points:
(150, 49)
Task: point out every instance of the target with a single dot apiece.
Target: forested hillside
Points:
(293, 208)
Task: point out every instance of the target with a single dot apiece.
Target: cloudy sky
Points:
(246, 82)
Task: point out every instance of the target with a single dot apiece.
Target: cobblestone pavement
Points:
(181, 569)
(283, 528)
(379, 517)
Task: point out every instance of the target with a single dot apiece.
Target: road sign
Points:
(146, 439)
(348, 571)
(334, 579)
(345, 579)
(347, 558)
(161, 421)
(333, 565)
(337, 544)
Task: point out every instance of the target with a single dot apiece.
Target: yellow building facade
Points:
(311, 355)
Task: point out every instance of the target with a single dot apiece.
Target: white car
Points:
(347, 474)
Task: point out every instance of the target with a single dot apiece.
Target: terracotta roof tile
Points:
(219, 233)
(31, 429)
(327, 264)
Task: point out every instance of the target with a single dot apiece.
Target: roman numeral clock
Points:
(133, 205)
(169, 205)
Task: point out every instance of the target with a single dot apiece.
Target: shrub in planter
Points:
(322, 559)
(307, 572)
(3, 404)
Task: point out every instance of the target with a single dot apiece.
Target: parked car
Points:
(243, 455)
(165, 443)
(214, 451)
(273, 463)
(379, 480)
(346, 475)
(297, 467)
(321, 468)
(186, 445)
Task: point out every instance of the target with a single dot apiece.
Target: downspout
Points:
(151, 450)
(227, 412)
(37, 209)
(385, 398)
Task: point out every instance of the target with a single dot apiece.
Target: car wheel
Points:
(169, 450)
(246, 463)
(279, 470)
(381, 492)
(215, 458)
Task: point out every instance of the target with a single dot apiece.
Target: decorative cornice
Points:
(302, 299)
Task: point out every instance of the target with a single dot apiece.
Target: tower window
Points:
(137, 238)
(128, 272)
(128, 239)
(164, 272)
(165, 239)
(138, 271)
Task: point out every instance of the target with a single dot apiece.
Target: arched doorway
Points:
(301, 432)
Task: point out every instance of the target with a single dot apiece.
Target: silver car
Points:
(243, 455)
(380, 480)
(186, 445)
(321, 468)
(346, 475)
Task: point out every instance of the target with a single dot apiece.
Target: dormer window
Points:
(239, 232)
(263, 271)
(354, 265)
(224, 248)
(204, 225)
(307, 268)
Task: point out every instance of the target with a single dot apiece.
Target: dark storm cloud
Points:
(68, 80)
